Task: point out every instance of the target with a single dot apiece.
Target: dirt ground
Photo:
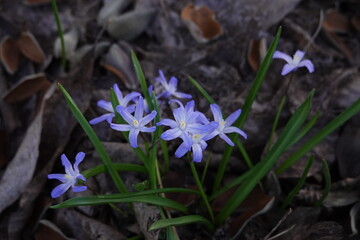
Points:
(221, 46)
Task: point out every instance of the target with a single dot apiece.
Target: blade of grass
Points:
(276, 121)
(88, 173)
(60, 32)
(327, 177)
(94, 140)
(330, 127)
(270, 159)
(96, 200)
(201, 90)
(247, 107)
(190, 219)
(299, 185)
(244, 153)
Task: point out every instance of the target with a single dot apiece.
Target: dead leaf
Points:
(71, 39)
(147, 215)
(201, 22)
(48, 230)
(110, 9)
(336, 22)
(27, 87)
(9, 54)
(3, 158)
(256, 53)
(30, 47)
(131, 24)
(355, 21)
(9, 121)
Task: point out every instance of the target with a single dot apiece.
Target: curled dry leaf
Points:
(27, 87)
(131, 24)
(201, 22)
(336, 22)
(110, 9)
(118, 62)
(30, 47)
(9, 54)
(256, 53)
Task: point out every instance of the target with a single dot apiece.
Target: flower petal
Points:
(148, 129)
(167, 122)
(105, 105)
(161, 78)
(179, 114)
(236, 130)
(173, 82)
(197, 152)
(211, 135)
(232, 118)
(308, 64)
(125, 114)
(108, 117)
(66, 163)
(145, 120)
(118, 93)
(79, 188)
(181, 150)
(78, 159)
(131, 96)
(80, 176)
(281, 55)
(171, 134)
(215, 109)
(58, 176)
(226, 139)
(60, 190)
(133, 137)
(299, 55)
(139, 110)
(182, 95)
(287, 68)
(120, 127)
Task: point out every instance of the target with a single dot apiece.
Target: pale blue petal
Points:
(308, 64)
(105, 105)
(232, 118)
(189, 107)
(202, 119)
(164, 94)
(79, 188)
(197, 152)
(58, 176)
(287, 68)
(131, 108)
(145, 120)
(60, 190)
(161, 78)
(66, 163)
(171, 134)
(130, 97)
(133, 137)
(139, 110)
(192, 117)
(177, 101)
(215, 109)
(199, 128)
(173, 82)
(236, 130)
(181, 150)
(299, 54)
(211, 135)
(226, 139)
(118, 93)
(182, 95)
(78, 159)
(187, 139)
(148, 129)
(105, 117)
(167, 122)
(281, 55)
(80, 176)
(120, 127)
(203, 145)
(125, 114)
(179, 114)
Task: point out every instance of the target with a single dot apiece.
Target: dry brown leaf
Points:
(201, 22)
(30, 47)
(355, 21)
(256, 53)
(9, 54)
(27, 87)
(336, 22)
(48, 230)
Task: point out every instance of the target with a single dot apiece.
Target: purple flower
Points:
(70, 178)
(198, 145)
(224, 125)
(170, 88)
(186, 122)
(295, 62)
(123, 101)
(136, 123)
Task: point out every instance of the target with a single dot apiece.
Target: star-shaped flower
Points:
(70, 178)
(123, 101)
(136, 123)
(224, 125)
(198, 145)
(293, 63)
(170, 88)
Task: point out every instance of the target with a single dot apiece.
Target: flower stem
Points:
(201, 189)
(61, 33)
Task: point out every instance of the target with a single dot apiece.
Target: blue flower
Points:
(70, 178)
(136, 123)
(224, 125)
(123, 101)
(170, 88)
(198, 145)
(293, 63)
(186, 122)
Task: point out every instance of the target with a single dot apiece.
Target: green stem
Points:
(61, 33)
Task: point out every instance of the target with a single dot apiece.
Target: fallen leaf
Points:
(110, 9)
(336, 22)
(201, 22)
(256, 53)
(30, 47)
(9, 54)
(71, 39)
(27, 87)
(48, 230)
(9, 122)
(147, 215)
(131, 24)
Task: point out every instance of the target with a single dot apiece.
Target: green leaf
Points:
(60, 32)
(94, 140)
(190, 219)
(269, 160)
(299, 185)
(202, 90)
(247, 107)
(327, 177)
(88, 173)
(311, 143)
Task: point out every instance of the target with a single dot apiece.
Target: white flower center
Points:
(221, 125)
(135, 123)
(196, 138)
(182, 125)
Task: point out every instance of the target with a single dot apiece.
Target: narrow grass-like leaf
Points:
(96, 200)
(151, 192)
(247, 107)
(327, 177)
(269, 160)
(330, 127)
(60, 32)
(276, 121)
(88, 173)
(190, 219)
(153, 164)
(299, 185)
(244, 153)
(94, 140)
(202, 90)
(142, 81)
